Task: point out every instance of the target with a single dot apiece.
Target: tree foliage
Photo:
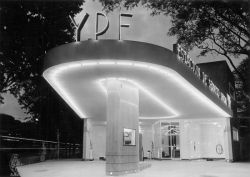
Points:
(243, 90)
(28, 29)
(220, 27)
(244, 69)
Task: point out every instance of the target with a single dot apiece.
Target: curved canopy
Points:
(167, 89)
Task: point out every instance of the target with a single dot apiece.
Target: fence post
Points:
(58, 144)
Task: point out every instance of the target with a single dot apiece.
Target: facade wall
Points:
(157, 140)
(147, 139)
(99, 141)
(200, 138)
(220, 74)
(87, 129)
(94, 140)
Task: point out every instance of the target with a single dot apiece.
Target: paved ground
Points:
(167, 168)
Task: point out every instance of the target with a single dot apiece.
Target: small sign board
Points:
(128, 137)
(235, 134)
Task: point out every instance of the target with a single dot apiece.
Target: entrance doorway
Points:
(170, 138)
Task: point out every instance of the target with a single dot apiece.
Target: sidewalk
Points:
(77, 168)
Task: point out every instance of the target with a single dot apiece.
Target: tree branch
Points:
(221, 22)
(246, 32)
(230, 30)
(226, 55)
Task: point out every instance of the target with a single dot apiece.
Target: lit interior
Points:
(163, 92)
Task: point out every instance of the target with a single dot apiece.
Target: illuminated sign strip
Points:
(51, 75)
(183, 56)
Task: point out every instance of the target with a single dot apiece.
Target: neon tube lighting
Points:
(102, 86)
(159, 101)
(65, 67)
(89, 64)
(146, 91)
(190, 88)
(51, 76)
(141, 65)
(124, 63)
(155, 117)
(106, 63)
(66, 96)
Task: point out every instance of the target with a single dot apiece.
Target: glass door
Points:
(170, 135)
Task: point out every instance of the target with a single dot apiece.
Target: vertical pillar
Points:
(122, 113)
(228, 141)
(141, 155)
(86, 140)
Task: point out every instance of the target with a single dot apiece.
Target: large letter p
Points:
(97, 33)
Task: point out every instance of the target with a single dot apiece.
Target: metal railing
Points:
(16, 151)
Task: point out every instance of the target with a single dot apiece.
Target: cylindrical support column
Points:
(84, 140)
(86, 144)
(228, 141)
(122, 137)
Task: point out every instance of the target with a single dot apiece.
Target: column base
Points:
(87, 159)
(118, 173)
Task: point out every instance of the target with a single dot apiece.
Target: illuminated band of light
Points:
(51, 76)
(146, 91)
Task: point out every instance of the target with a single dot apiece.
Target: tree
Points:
(9, 126)
(243, 90)
(28, 29)
(220, 27)
(244, 69)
